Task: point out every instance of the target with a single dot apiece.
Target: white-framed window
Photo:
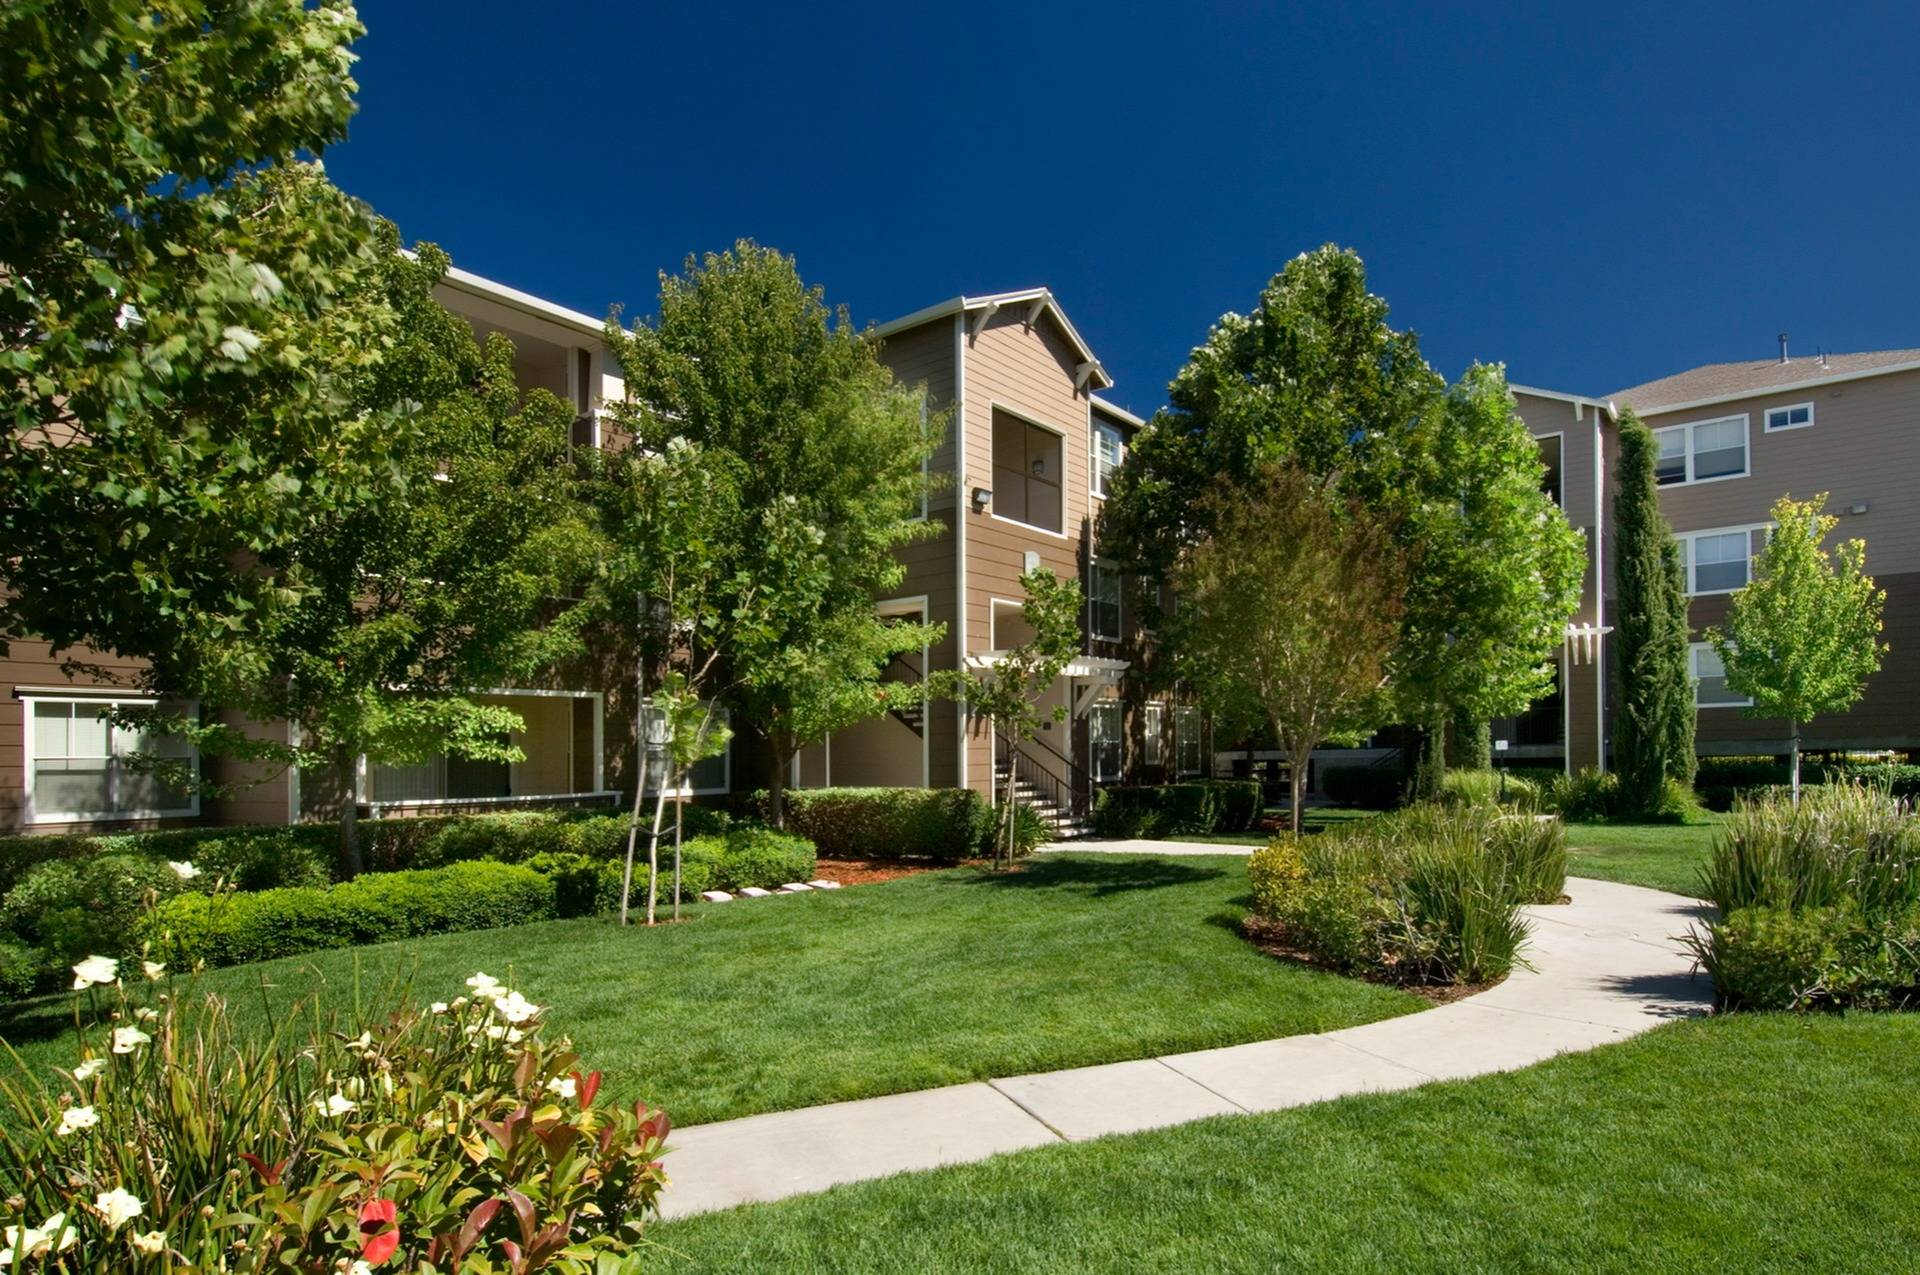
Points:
(1187, 759)
(1153, 725)
(1103, 602)
(1109, 450)
(1717, 561)
(1702, 451)
(1028, 470)
(1104, 735)
(926, 462)
(710, 776)
(76, 767)
(1797, 416)
(1710, 689)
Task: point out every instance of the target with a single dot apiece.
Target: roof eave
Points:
(1859, 374)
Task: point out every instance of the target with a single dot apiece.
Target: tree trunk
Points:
(1297, 786)
(653, 845)
(1794, 726)
(1433, 758)
(777, 781)
(350, 860)
(679, 822)
(639, 785)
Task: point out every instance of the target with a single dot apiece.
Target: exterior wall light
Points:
(982, 497)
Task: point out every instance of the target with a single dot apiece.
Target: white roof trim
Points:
(1786, 387)
(526, 302)
(1116, 411)
(1080, 666)
(1043, 302)
(1578, 400)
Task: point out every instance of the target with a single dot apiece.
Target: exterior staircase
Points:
(1065, 824)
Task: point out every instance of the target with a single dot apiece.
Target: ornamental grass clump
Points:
(1819, 903)
(1430, 895)
(456, 1137)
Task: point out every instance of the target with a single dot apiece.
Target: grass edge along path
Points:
(1742, 1142)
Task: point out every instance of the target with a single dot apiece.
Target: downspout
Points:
(961, 499)
(1599, 591)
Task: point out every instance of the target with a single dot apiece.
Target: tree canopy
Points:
(1653, 730)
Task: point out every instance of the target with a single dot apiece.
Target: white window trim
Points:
(1093, 602)
(926, 463)
(1746, 448)
(363, 769)
(1686, 539)
(1766, 416)
(1693, 675)
(1153, 725)
(1189, 713)
(1103, 707)
(34, 815)
(993, 511)
(1093, 454)
(721, 717)
(1561, 503)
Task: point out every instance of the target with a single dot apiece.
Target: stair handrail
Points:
(1070, 793)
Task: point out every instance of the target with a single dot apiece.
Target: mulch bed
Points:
(1269, 938)
(867, 871)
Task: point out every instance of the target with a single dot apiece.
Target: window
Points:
(1717, 561)
(1152, 727)
(709, 775)
(1796, 417)
(1701, 451)
(1551, 449)
(1027, 468)
(1103, 603)
(1186, 740)
(77, 768)
(1710, 689)
(1108, 452)
(1103, 741)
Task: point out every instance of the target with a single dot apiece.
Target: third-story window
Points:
(1027, 469)
(1700, 451)
(1108, 452)
(1779, 418)
(1103, 603)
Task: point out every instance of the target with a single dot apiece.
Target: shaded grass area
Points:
(1316, 818)
(1664, 856)
(1744, 1143)
(766, 1004)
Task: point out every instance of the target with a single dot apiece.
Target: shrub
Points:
(579, 882)
(1838, 956)
(1586, 796)
(323, 1143)
(1364, 787)
(21, 969)
(762, 857)
(1163, 810)
(229, 929)
(1238, 804)
(946, 824)
(1896, 779)
(1485, 788)
(69, 908)
(1842, 842)
(1430, 895)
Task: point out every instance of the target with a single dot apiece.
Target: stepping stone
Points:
(754, 892)
(716, 896)
(824, 885)
(794, 887)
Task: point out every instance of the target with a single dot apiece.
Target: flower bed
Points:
(455, 1137)
(1429, 895)
(1819, 904)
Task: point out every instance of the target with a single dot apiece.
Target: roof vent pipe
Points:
(1783, 347)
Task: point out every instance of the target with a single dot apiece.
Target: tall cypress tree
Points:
(1650, 632)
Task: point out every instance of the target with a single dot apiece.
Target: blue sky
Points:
(1595, 194)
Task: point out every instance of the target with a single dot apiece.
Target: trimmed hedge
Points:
(944, 824)
(1364, 787)
(230, 928)
(585, 885)
(1161, 810)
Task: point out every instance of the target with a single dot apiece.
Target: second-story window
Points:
(1717, 561)
(1027, 470)
(1701, 451)
(1108, 451)
(1103, 603)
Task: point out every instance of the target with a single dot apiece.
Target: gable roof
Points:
(1718, 382)
(1041, 301)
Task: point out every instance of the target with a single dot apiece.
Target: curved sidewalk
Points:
(1607, 966)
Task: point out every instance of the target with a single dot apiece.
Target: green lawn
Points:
(1743, 1143)
(948, 976)
(1317, 819)
(1664, 856)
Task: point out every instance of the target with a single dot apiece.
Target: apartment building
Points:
(1734, 438)
(1018, 482)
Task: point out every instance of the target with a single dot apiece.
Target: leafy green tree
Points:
(1803, 637)
(188, 320)
(1683, 759)
(1494, 568)
(823, 453)
(1651, 626)
(1289, 613)
(456, 580)
(1007, 693)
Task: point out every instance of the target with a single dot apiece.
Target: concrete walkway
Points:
(1606, 967)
